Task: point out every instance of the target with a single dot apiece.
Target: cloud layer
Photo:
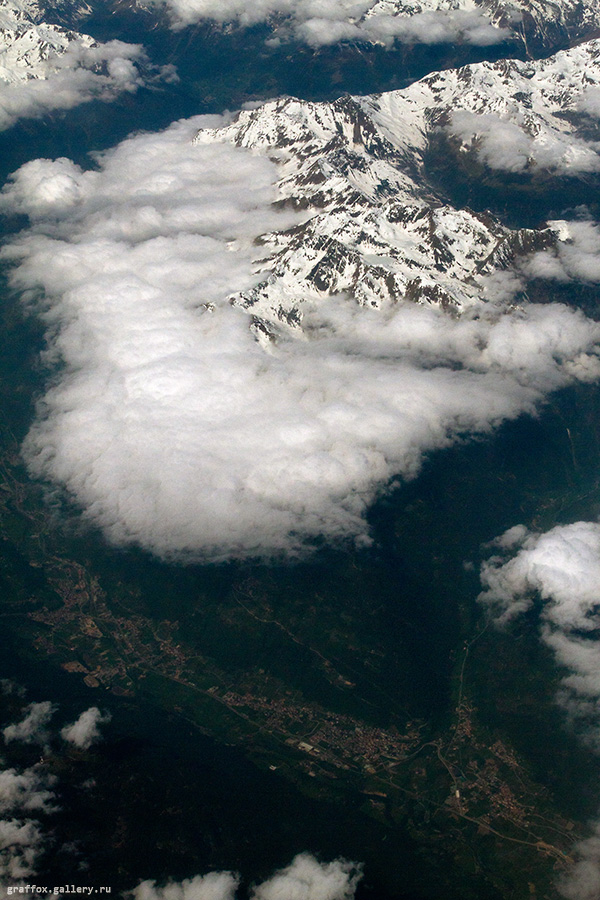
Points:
(173, 427)
(320, 22)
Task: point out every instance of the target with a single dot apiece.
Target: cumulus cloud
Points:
(173, 427)
(576, 256)
(508, 145)
(307, 879)
(562, 568)
(214, 886)
(22, 840)
(25, 790)
(33, 728)
(304, 879)
(28, 796)
(320, 22)
(583, 881)
(85, 730)
(20, 847)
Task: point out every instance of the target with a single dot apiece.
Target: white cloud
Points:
(173, 427)
(214, 886)
(27, 796)
(11, 687)
(304, 879)
(20, 846)
(85, 731)
(320, 22)
(508, 145)
(22, 839)
(25, 790)
(307, 879)
(428, 27)
(80, 74)
(33, 728)
(590, 101)
(583, 881)
(562, 567)
(576, 256)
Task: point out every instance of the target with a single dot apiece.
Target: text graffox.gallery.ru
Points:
(64, 889)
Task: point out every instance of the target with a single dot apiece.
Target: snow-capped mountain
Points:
(515, 115)
(45, 66)
(28, 44)
(372, 225)
(539, 25)
(544, 24)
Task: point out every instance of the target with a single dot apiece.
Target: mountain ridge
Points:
(373, 226)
